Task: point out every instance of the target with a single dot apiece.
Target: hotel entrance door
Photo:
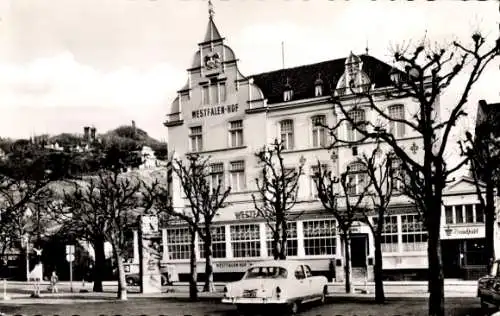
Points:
(359, 250)
(451, 251)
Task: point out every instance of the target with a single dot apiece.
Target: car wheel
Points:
(293, 308)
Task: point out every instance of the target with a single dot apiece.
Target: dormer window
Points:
(288, 92)
(318, 87)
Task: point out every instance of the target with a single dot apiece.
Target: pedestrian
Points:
(53, 282)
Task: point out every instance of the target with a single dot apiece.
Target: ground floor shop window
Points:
(218, 234)
(291, 241)
(178, 241)
(414, 236)
(474, 252)
(319, 237)
(245, 240)
(390, 235)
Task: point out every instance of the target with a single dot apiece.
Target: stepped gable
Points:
(302, 79)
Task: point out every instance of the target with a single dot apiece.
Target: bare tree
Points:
(353, 192)
(483, 151)
(426, 75)
(278, 189)
(107, 206)
(385, 177)
(206, 193)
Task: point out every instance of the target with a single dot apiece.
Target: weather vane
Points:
(211, 11)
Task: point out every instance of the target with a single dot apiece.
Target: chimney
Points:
(133, 127)
(92, 133)
(86, 136)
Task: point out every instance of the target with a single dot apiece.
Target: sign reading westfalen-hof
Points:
(214, 111)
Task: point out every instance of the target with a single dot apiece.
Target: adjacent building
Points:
(227, 115)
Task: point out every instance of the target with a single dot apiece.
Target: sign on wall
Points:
(462, 232)
(214, 111)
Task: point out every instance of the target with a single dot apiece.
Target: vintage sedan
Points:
(280, 283)
(488, 287)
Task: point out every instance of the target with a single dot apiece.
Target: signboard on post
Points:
(70, 257)
(150, 254)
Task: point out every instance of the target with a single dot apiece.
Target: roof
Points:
(302, 79)
(212, 33)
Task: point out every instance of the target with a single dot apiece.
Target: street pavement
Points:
(19, 292)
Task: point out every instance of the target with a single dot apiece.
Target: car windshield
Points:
(266, 273)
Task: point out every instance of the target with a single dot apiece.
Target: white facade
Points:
(222, 114)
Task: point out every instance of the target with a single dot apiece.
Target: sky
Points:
(65, 64)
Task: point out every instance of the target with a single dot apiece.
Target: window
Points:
(413, 233)
(318, 131)
(390, 235)
(291, 240)
(196, 138)
(222, 92)
(459, 215)
(205, 96)
(178, 241)
(469, 213)
(237, 176)
(287, 95)
(357, 116)
(357, 178)
(218, 242)
(396, 112)
(474, 252)
(448, 211)
(398, 177)
(307, 271)
(314, 177)
(217, 176)
(299, 273)
(266, 273)
(286, 130)
(319, 237)
(236, 133)
(245, 240)
(479, 213)
(214, 94)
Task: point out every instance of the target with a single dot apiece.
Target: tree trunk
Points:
(122, 285)
(209, 272)
(489, 212)
(193, 289)
(378, 271)
(347, 264)
(283, 240)
(100, 263)
(436, 278)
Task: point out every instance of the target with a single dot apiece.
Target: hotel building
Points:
(229, 116)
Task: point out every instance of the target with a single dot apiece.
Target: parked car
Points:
(488, 287)
(282, 283)
(134, 279)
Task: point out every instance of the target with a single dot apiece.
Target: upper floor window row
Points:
(396, 114)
